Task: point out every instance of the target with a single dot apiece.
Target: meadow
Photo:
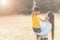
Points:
(19, 27)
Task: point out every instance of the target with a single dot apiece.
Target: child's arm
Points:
(42, 20)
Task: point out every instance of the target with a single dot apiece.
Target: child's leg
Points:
(37, 30)
(44, 38)
(38, 37)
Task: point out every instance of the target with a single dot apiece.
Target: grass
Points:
(17, 27)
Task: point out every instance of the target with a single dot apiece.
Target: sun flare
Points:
(4, 2)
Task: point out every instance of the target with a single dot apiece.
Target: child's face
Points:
(37, 13)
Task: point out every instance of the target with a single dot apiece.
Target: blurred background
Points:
(8, 7)
(14, 26)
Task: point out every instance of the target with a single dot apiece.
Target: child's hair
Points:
(36, 9)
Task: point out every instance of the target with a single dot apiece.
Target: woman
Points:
(51, 20)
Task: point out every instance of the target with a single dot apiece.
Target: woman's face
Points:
(47, 18)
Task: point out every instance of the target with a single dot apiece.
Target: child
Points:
(36, 21)
(45, 29)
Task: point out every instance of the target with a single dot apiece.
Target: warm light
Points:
(4, 2)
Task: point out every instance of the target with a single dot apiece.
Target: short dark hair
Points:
(36, 9)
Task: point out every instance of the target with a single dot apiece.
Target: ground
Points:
(18, 27)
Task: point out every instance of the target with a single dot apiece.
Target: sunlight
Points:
(4, 2)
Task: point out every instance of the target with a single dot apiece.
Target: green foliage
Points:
(44, 5)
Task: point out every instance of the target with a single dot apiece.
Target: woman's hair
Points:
(51, 20)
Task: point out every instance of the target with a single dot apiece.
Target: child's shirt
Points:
(35, 21)
(45, 29)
